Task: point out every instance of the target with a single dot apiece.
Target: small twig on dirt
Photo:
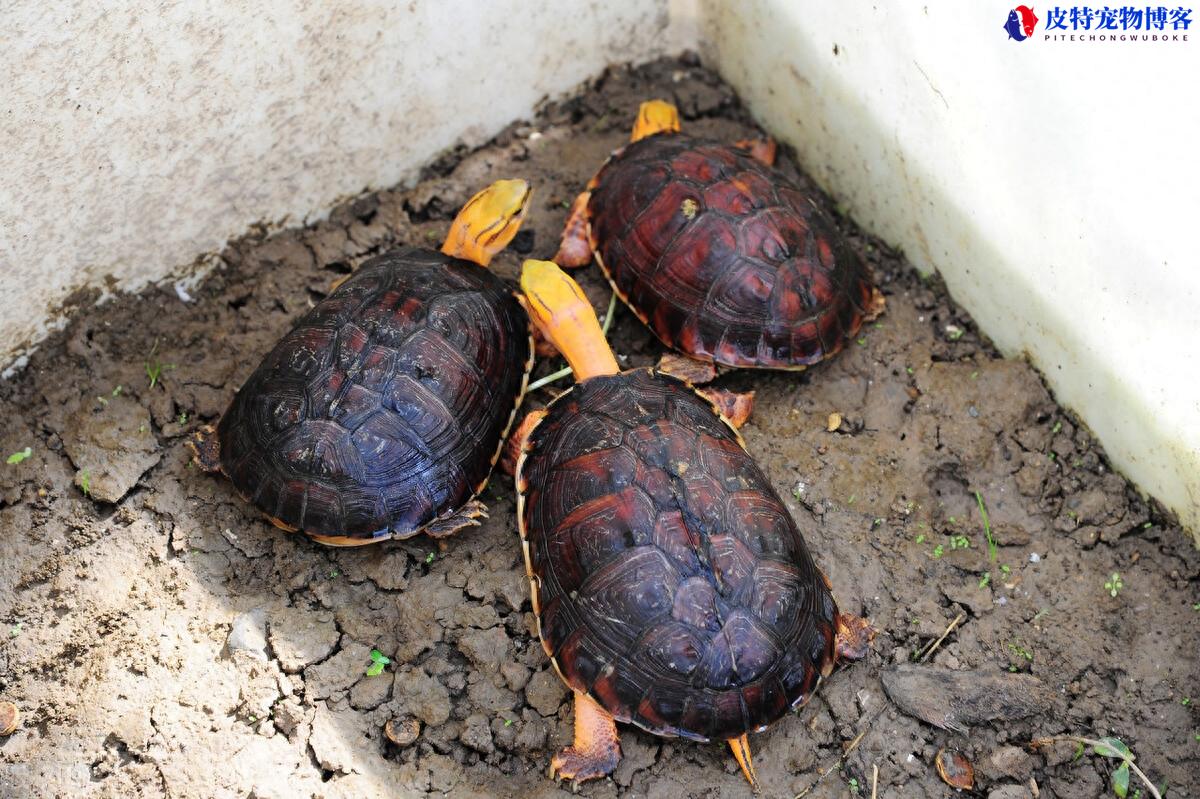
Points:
(823, 773)
(561, 373)
(1109, 747)
(874, 780)
(932, 647)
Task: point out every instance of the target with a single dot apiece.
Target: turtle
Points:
(382, 412)
(722, 256)
(671, 587)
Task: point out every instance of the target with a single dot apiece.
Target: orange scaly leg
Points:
(692, 370)
(762, 150)
(596, 749)
(741, 751)
(734, 406)
(853, 638)
(575, 250)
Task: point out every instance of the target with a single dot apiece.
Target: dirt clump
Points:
(161, 638)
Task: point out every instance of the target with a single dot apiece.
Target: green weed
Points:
(1113, 749)
(1114, 585)
(378, 661)
(17, 457)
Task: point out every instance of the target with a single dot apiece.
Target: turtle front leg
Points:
(762, 150)
(575, 250)
(515, 445)
(597, 748)
(206, 449)
(853, 638)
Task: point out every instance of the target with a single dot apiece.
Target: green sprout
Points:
(920, 539)
(429, 558)
(116, 392)
(15, 630)
(1017, 649)
(862, 342)
(508, 722)
(1057, 427)
(17, 457)
(987, 527)
(85, 482)
(155, 367)
(378, 661)
(1187, 700)
(1005, 569)
(938, 551)
(182, 417)
(960, 542)
(853, 785)
(852, 498)
(908, 369)
(1114, 584)
(987, 578)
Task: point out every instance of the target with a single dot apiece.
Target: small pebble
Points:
(402, 732)
(833, 422)
(10, 718)
(1034, 557)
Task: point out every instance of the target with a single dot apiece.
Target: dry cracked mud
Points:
(162, 639)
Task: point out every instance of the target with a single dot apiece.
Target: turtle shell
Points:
(385, 406)
(669, 580)
(724, 257)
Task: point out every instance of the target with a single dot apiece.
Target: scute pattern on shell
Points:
(383, 407)
(671, 583)
(724, 257)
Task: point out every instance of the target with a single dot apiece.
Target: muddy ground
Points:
(162, 639)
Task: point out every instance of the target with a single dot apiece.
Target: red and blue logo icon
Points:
(1021, 22)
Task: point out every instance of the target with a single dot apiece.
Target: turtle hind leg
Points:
(468, 515)
(575, 249)
(596, 749)
(853, 638)
(206, 449)
(741, 751)
(692, 370)
(735, 406)
(762, 149)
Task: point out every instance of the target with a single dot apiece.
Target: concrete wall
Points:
(138, 137)
(1055, 185)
